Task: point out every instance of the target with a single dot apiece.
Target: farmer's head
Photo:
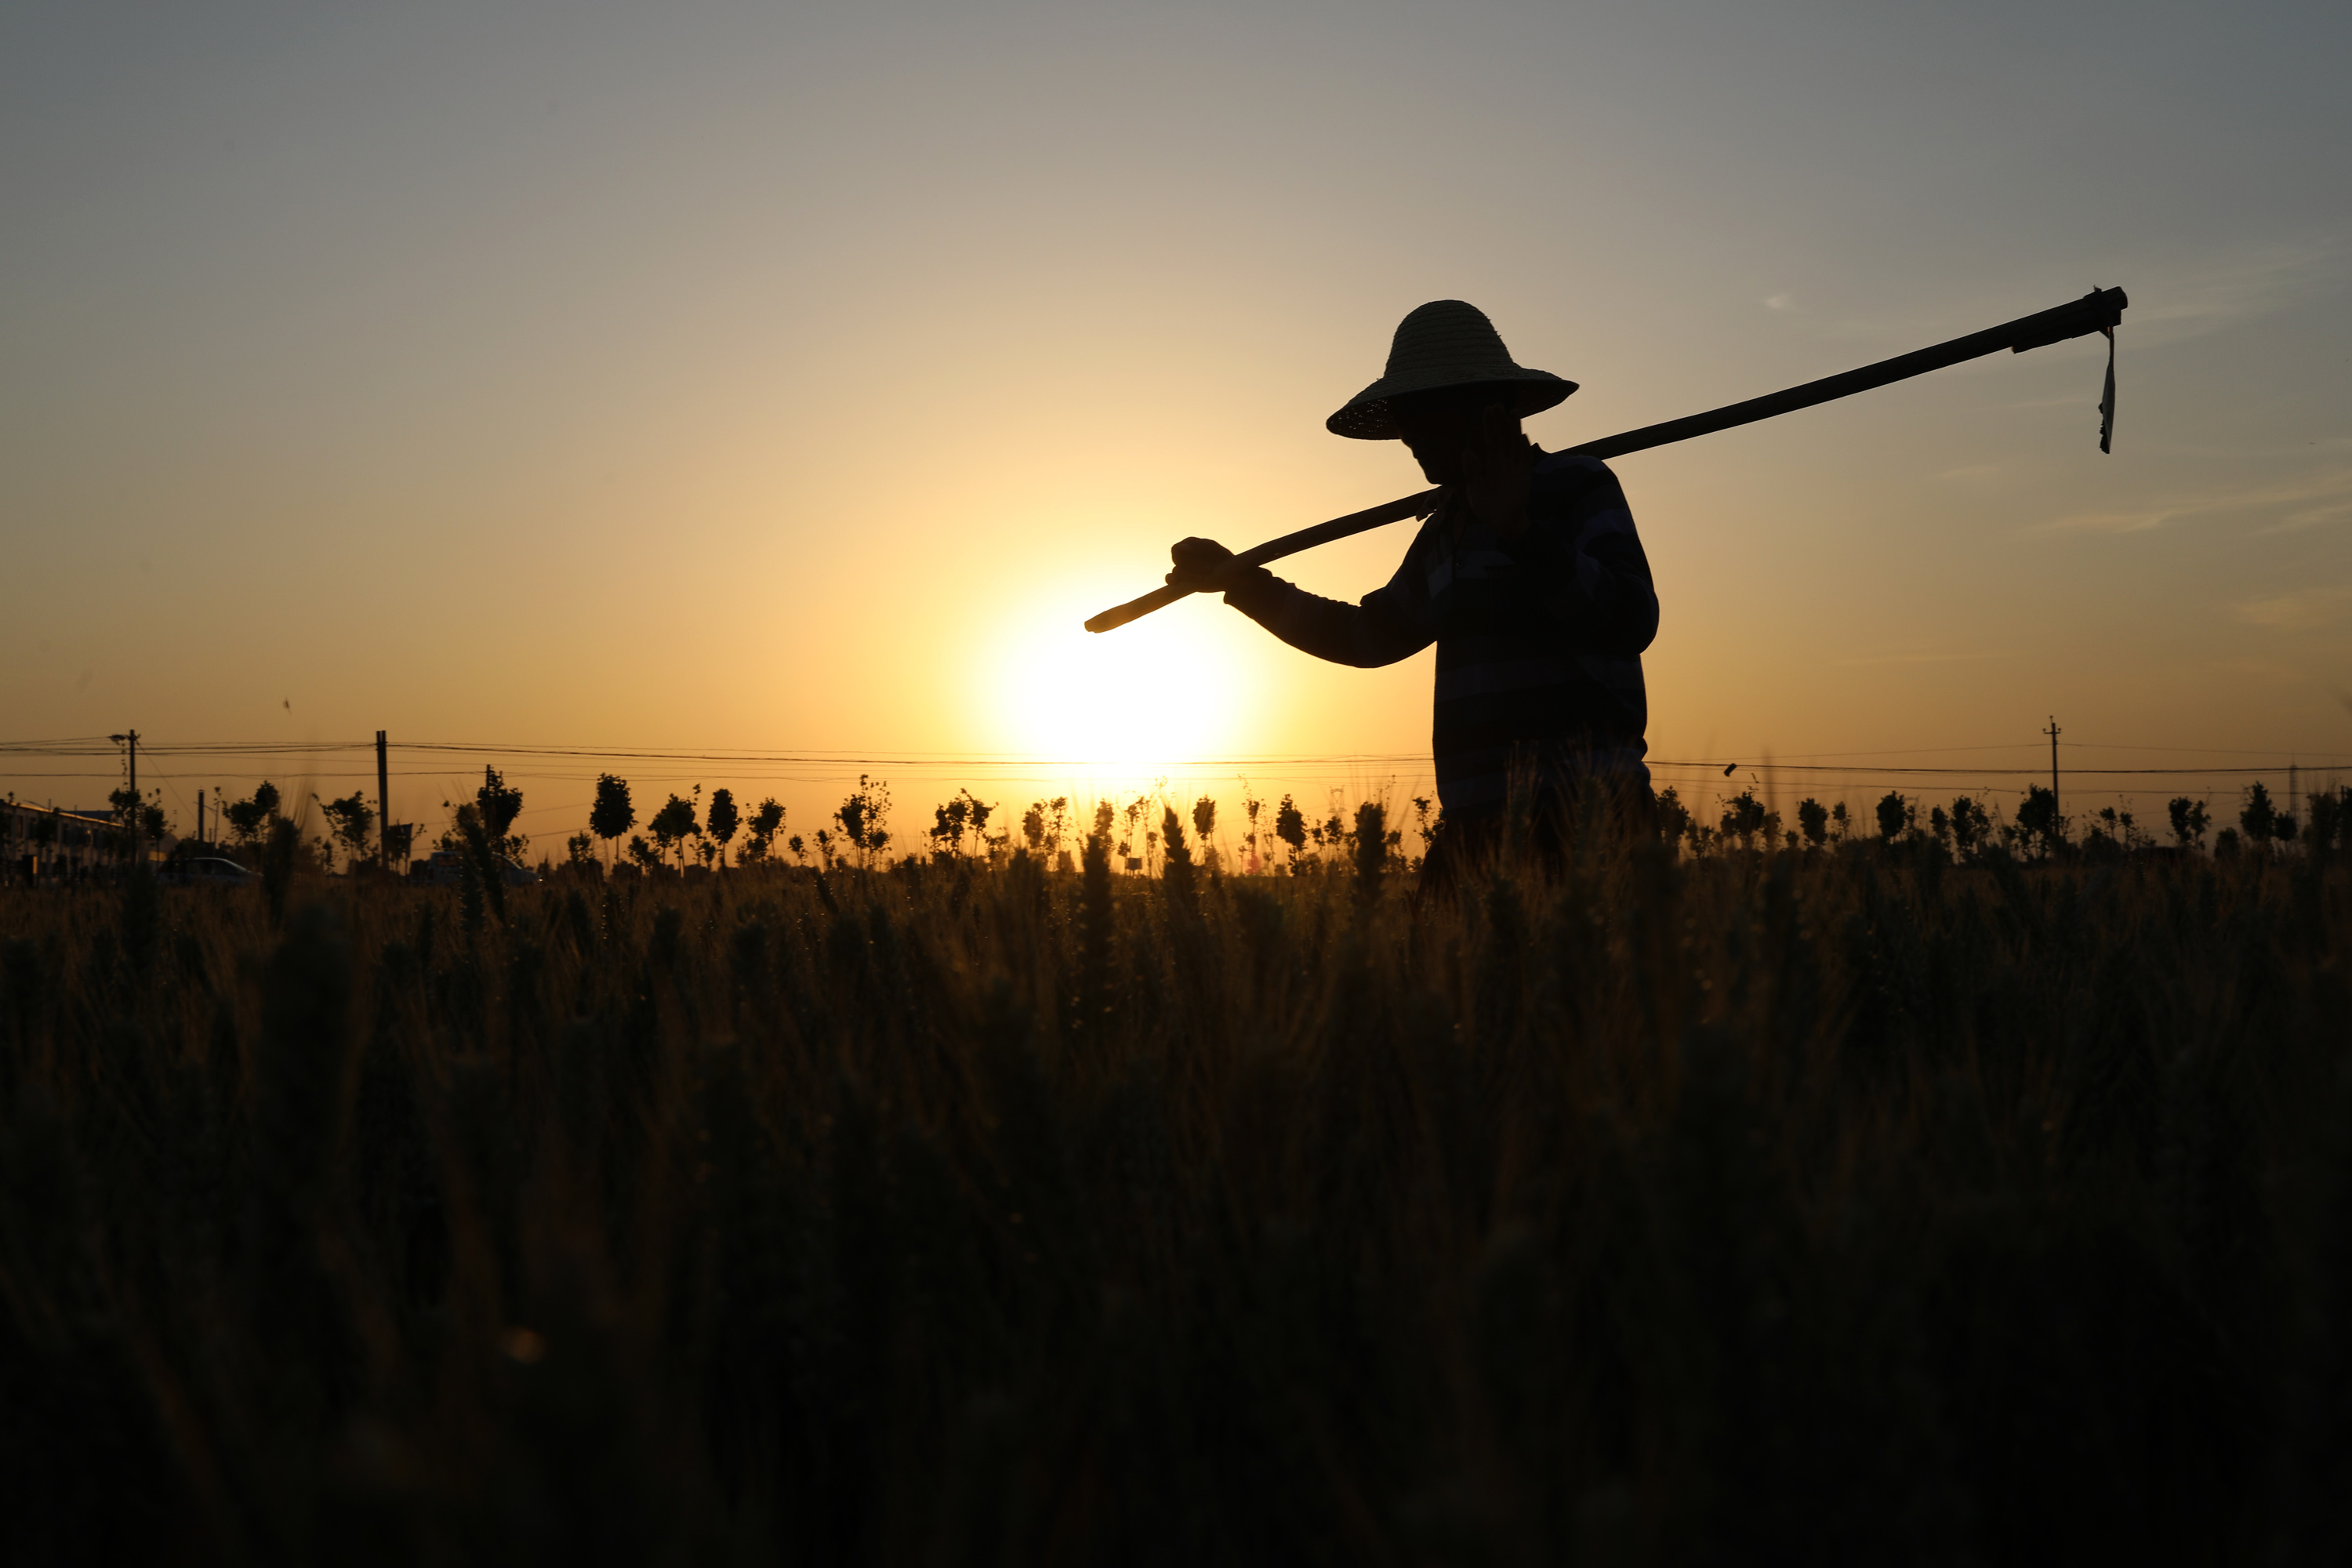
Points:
(1438, 426)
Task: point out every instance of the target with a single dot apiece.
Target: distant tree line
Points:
(1968, 830)
(1136, 835)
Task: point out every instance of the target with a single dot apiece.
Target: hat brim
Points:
(1368, 418)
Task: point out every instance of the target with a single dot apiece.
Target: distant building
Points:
(50, 844)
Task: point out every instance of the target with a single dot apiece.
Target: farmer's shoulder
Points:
(1573, 484)
(1571, 473)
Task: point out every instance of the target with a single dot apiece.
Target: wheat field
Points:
(1849, 1205)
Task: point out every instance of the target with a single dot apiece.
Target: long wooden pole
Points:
(2100, 311)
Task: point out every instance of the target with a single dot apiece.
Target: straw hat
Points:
(1444, 344)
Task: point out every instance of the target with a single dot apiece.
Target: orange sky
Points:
(799, 382)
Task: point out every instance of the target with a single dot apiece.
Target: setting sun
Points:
(1163, 691)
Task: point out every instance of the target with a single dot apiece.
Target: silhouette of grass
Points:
(1849, 1205)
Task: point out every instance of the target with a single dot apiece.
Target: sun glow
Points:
(1154, 694)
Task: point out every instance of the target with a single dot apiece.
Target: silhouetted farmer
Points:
(1529, 577)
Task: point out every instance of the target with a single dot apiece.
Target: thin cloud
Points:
(2314, 502)
(2170, 303)
(2301, 610)
(2337, 510)
(1919, 659)
(2106, 522)
(2239, 287)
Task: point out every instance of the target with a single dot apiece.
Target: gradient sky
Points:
(799, 378)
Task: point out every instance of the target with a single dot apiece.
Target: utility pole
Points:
(130, 737)
(383, 806)
(2053, 734)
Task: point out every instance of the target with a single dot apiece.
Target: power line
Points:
(914, 759)
(1405, 760)
(743, 761)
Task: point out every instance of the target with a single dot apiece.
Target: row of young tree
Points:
(1969, 828)
(1138, 832)
(689, 831)
(683, 828)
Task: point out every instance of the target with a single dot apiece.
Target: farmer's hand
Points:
(1201, 565)
(1497, 467)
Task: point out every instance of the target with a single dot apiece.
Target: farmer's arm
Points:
(1580, 560)
(1389, 624)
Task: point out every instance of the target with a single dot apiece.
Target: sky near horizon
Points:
(796, 379)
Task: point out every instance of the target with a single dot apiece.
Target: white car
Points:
(446, 869)
(205, 871)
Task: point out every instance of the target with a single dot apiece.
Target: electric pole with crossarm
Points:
(130, 738)
(2053, 734)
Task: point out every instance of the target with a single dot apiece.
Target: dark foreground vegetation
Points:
(1837, 1206)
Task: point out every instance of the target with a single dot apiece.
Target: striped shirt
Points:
(1539, 637)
